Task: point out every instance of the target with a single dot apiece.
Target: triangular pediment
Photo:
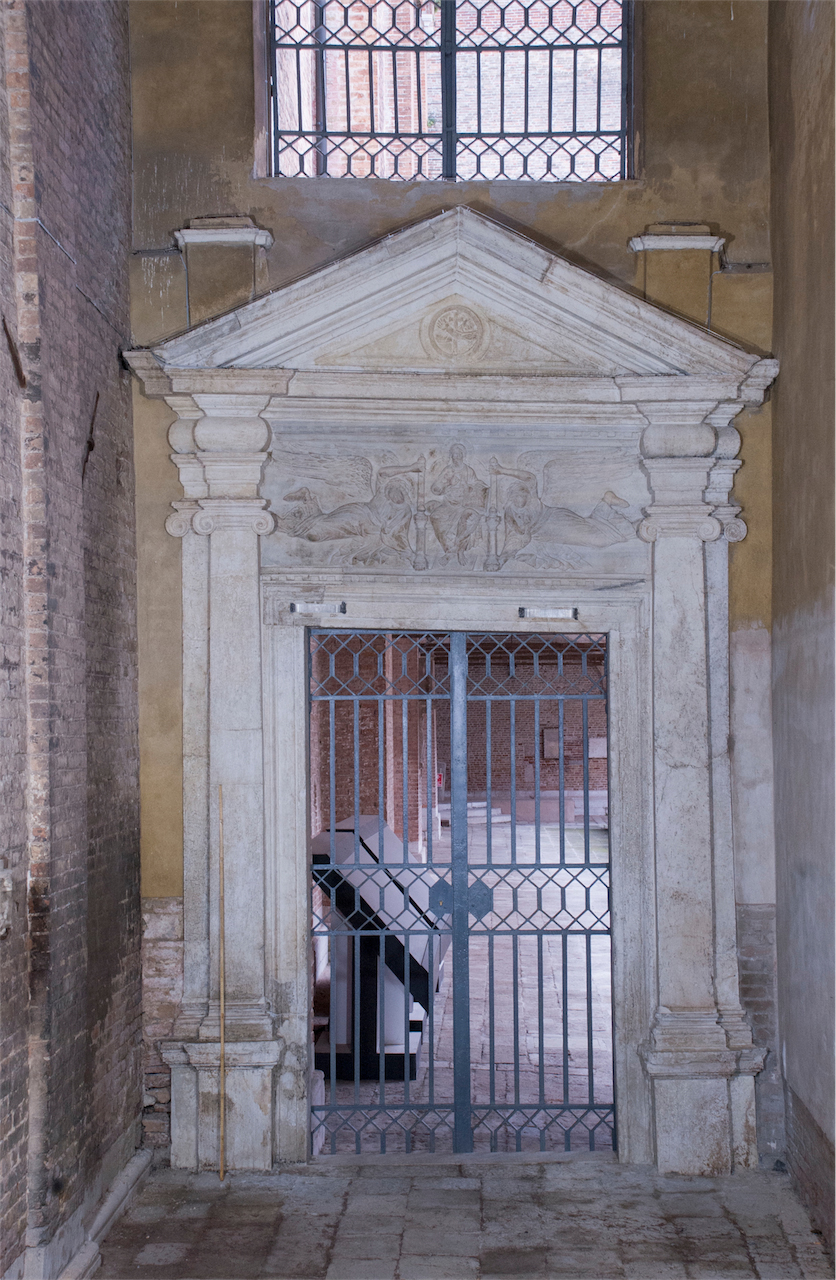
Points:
(456, 293)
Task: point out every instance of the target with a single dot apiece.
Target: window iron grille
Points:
(451, 89)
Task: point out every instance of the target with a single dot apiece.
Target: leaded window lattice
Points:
(450, 89)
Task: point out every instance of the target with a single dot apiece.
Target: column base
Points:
(243, 1020)
(195, 1103)
(703, 1098)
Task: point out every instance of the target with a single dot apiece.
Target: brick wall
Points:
(69, 610)
(516, 754)
(13, 842)
(810, 1159)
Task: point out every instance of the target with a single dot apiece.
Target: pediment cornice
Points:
(456, 301)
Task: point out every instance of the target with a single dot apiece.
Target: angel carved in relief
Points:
(534, 532)
(379, 528)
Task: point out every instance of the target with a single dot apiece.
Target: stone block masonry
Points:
(69, 964)
(759, 996)
(162, 994)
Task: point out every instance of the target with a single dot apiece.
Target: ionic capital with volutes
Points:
(214, 514)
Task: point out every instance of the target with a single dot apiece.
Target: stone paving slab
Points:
(570, 1216)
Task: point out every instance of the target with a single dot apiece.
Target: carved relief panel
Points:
(446, 504)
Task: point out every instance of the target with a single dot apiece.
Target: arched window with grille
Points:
(451, 89)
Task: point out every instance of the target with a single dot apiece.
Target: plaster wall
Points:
(801, 43)
(702, 158)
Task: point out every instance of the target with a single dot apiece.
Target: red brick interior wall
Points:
(527, 743)
(356, 731)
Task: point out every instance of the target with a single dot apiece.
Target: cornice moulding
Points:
(641, 244)
(255, 236)
(458, 254)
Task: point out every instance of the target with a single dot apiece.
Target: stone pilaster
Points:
(690, 1055)
(219, 442)
(195, 607)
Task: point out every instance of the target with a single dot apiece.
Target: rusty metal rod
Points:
(222, 978)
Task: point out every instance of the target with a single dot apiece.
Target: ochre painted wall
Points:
(802, 113)
(702, 157)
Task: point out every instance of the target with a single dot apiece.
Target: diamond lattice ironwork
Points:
(454, 89)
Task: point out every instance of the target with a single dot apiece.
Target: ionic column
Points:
(687, 1056)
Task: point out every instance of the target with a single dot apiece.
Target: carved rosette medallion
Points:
(454, 333)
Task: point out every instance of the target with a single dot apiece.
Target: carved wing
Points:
(577, 477)
(349, 473)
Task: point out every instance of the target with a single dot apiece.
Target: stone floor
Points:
(423, 1218)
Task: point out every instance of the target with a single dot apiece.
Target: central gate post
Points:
(688, 1056)
(463, 1131)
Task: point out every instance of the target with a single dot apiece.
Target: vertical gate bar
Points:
(332, 1011)
(564, 1000)
(381, 768)
(512, 729)
(515, 985)
(431, 960)
(332, 775)
(589, 1045)
(462, 1130)
(541, 1021)
(406, 1000)
(491, 1021)
(585, 706)
(355, 1019)
(448, 89)
(561, 777)
(356, 822)
(428, 754)
(489, 827)
(405, 797)
(381, 1031)
(537, 779)
(355, 1014)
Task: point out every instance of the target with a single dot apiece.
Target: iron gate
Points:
(460, 907)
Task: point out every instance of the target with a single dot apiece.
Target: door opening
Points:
(460, 892)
